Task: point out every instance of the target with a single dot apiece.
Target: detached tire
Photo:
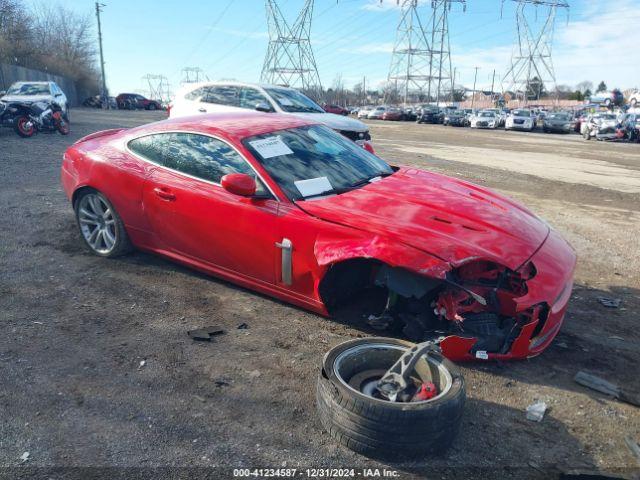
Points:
(379, 428)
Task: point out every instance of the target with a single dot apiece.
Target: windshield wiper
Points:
(366, 180)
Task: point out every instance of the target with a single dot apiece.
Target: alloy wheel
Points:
(97, 223)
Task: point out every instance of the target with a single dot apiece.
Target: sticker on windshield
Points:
(271, 147)
(285, 101)
(313, 186)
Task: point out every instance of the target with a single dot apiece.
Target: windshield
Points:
(559, 116)
(293, 101)
(606, 116)
(521, 113)
(487, 114)
(312, 161)
(29, 89)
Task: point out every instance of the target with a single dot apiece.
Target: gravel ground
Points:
(75, 329)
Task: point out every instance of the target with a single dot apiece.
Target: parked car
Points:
(456, 118)
(601, 126)
(631, 127)
(393, 113)
(559, 122)
(363, 112)
(377, 112)
(131, 101)
(410, 114)
(336, 109)
(219, 97)
(614, 97)
(287, 207)
(430, 114)
(32, 92)
(484, 119)
(634, 97)
(520, 119)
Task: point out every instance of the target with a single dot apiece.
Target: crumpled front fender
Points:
(329, 250)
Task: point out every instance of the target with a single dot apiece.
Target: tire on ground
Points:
(389, 430)
(123, 244)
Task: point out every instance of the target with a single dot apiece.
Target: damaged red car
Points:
(294, 210)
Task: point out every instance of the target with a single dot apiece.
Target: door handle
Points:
(164, 194)
(202, 110)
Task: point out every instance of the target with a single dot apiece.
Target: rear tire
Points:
(389, 430)
(94, 212)
(152, 106)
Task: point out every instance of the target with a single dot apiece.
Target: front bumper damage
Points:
(481, 310)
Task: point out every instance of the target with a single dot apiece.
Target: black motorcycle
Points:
(27, 119)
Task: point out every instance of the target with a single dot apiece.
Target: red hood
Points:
(449, 218)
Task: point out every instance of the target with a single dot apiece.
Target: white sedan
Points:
(218, 97)
(520, 120)
(484, 119)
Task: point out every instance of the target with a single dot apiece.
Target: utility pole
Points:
(364, 91)
(104, 96)
(473, 94)
(493, 79)
(453, 82)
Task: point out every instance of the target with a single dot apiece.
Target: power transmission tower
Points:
(192, 75)
(421, 60)
(531, 65)
(158, 87)
(289, 60)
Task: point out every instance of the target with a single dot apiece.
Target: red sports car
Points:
(294, 210)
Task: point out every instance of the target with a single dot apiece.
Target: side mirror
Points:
(264, 107)
(239, 184)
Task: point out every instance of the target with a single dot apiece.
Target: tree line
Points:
(49, 38)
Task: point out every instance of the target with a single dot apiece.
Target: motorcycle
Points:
(30, 118)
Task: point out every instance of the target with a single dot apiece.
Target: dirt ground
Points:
(74, 329)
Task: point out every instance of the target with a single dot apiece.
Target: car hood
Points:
(336, 122)
(446, 217)
(26, 98)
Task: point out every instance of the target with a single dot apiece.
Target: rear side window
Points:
(151, 147)
(196, 155)
(222, 95)
(196, 94)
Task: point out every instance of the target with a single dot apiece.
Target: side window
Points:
(222, 95)
(196, 94)
(151, 147)
(250, 97)
(207, 158)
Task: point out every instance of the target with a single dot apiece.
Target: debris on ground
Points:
(243, 326)
(205, 334)
(601, 385)
(24, 457)
(610, 302)
(535, 411)
(142, 364)
(634, 447)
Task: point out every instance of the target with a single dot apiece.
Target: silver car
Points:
(30, 92)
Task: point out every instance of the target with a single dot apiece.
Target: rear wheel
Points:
(63, 127)
(25, 127)
(100, 225)
(607, 102)
(354, 413)
(152, 106)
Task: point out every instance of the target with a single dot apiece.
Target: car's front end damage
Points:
(483, 292)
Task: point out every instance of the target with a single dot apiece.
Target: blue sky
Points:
(352, 38)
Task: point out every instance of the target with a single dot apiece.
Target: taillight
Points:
(368, 147)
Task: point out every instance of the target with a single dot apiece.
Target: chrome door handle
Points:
(287, 247)
(202, 110)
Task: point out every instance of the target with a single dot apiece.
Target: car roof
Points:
(236, 125)
(31, 83)
(194, 85)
